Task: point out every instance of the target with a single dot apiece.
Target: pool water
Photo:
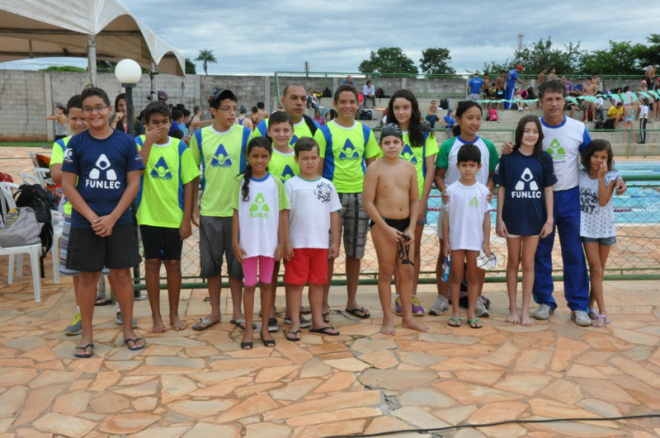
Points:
(640, 203)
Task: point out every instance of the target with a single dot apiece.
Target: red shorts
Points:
(307, 265)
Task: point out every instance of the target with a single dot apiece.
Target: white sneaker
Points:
(480, 308)
(544, 311)
(439, 306)
(581, 318)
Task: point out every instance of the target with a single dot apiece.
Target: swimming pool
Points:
(640, 203)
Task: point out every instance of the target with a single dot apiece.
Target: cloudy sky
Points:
(259, 36)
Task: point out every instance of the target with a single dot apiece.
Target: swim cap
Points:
(391, 129)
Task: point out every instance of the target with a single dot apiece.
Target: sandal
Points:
(475, 323)
(327, 330)
(270, 343)
(84, 354)
(359, 312)
(246, 345)
(454, 322)
(102, 301)
(203, 324)
(305, 310)
(293, 335)
(326, 317)
(135, 346)
(602, 321)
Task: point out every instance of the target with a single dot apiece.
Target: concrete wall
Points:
(26, 97)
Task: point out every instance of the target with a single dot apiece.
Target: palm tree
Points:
(206, 56)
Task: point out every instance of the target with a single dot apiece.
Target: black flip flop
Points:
(85, 354)
(102, 302)
(356, 312)
(292, 335)
(324, 330)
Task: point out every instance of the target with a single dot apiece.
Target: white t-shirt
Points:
(596, 221)
(644, 112)
(563, 143)
(466, 208)
(311, 203)
(259, 216)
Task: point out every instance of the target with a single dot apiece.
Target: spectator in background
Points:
(61, 121)
(120, 120)
(650, 76)
(254, 116)
(541, 78)
(318, 118)
(195, 120)
(552, 75)
(486, 88)
(511, 81)
(448, 122)
(474, 87)
(499, 87)
(349, 81)
(312, 100)
(369, 92)
(589, 89)
(243, 119)
(615, 113)
(177, 115)
(432, 114)
(330, 115)
(263, 115)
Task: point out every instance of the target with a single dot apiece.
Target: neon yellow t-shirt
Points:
(345, 151)
(222, 157)
(283, 166)
(160, 199)
(57, 157)
(300, 130)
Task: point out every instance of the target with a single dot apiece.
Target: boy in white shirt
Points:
(313, 212)
(467, 223)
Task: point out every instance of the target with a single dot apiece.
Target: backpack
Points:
(327, 92)
(380, 92)
(22, 228)
(492, 115)
(35, 197)
(366, 114)
(444, 104)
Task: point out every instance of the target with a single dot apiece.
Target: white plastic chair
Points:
(42, 175)
(29, 178)
(7, 201)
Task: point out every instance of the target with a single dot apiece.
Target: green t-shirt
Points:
(283, 166)
(57, 157)
(345, 151)
(160, 199)
(300, 130)
(448, 156)
(222, 156)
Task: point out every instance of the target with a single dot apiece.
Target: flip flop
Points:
(85, 354)
(454, 322)
(102, 302)
(305, 310)
(247, 345)
(326, 317)
(474, 323)
(203, 324)
(327, 330)
(240, 323)
(270, 343)
(293, 335)
(359, 312)
(135, 347)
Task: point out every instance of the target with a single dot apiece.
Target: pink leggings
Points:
(265, 270)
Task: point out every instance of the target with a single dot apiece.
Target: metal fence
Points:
(635, 256)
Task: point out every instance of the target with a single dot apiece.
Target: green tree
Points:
(191, 68)
(63, 68)
(388, 60)
(435, 61)
(619, 59)
(649, 53)
(542, 55)
(205, 57)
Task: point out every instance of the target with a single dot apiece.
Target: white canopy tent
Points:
(95, 29)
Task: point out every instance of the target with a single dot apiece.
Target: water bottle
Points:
(446, 266)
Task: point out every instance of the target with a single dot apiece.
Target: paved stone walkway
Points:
(190, 384)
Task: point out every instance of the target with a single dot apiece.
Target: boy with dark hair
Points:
(221, 151)
(101, 177)
(466, 227)
(164, 209)
(313, 212)
(346, 148)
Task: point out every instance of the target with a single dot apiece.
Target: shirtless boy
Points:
(390, 199)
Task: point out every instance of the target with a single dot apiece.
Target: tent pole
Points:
(152, 77)
(91, 58)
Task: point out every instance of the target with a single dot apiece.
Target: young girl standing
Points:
(524, 209)
(260, 233)
(466, 131)
(420, 149)
(597, 228)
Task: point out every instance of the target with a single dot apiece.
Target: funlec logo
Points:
(102, 169)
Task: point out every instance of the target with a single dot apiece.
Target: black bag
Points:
(327, 92)
(609, 124)
(35, 197)
(444, 104)
(380, 92)
(599, 125)
(366, 114)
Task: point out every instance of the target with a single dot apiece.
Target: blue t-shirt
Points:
(101, 166)
(450, 121)
(475, 85)
(578, 87)
(512, 78)
(524, 178)
(173, 127)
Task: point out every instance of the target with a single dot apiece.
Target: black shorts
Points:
(161, 242)
(398, 224)
(88, 252)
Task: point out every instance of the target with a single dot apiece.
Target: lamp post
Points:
(128, 73)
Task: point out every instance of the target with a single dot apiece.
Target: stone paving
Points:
(196, 384)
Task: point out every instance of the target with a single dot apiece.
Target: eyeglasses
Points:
(227, 109)
(99, 109)
(404, 252)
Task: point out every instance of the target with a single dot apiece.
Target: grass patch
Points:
(25, 144)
